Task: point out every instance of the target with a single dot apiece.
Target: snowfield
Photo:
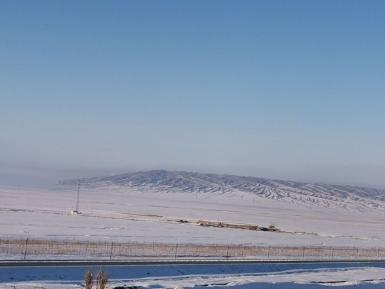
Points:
(164, 207)
(149, 207)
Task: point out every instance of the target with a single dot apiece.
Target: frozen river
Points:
(254, 275)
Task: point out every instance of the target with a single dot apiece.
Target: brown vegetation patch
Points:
(270, 228)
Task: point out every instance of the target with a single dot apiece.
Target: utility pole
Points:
(76, 211)
(77, 198)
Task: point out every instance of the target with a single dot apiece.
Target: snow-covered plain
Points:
(144, 214)
(149, 209)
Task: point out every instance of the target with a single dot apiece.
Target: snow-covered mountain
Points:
(191, 182)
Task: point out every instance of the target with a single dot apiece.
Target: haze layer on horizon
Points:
(278, 89)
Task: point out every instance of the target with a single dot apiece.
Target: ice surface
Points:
(203, 276)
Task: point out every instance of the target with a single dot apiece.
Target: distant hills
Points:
(192, 182)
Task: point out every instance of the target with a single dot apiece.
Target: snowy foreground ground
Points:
(121, 214)
(306, 276)
(124, 215)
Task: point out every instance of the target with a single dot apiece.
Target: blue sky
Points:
(281, 89)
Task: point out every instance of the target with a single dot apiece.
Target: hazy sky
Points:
(282, 89)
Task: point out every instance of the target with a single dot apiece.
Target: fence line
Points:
(30, 249)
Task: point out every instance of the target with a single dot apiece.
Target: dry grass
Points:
(90, 250)
(88, 280)
(101, 280)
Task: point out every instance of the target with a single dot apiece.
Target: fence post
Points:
(176, 250)
(112, 246)
(26, 248)
(227, 252)
(268, 252)
(303, 252)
